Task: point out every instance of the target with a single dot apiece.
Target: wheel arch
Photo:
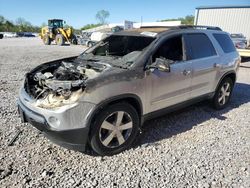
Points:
(132, 99)
(230, 74)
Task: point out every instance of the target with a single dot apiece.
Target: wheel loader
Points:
(55, 31)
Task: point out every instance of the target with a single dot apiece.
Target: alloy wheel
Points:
(224, 94)
(116, 129)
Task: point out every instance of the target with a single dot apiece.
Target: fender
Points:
(114, 99)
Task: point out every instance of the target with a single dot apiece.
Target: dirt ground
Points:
(194, 147)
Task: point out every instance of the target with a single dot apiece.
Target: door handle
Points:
(217, 65)
(186, 72)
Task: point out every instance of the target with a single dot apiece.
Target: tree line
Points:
(188, 20)
(20, 25)
(102, 16)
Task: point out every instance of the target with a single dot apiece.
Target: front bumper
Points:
(67, 117)
(75, 139)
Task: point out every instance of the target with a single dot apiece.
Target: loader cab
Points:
(55, 23)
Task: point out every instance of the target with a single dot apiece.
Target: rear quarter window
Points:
(225, 42)
(199, 46)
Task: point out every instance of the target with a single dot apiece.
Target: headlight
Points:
(54, 101)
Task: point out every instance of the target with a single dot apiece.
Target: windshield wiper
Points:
(119, 66)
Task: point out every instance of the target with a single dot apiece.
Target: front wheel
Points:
(46, 40)
(223, 94)
(115, 129)
(59, 40)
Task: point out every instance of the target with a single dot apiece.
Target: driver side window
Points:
(171, 49)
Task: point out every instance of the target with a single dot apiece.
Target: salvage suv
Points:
(100, 99)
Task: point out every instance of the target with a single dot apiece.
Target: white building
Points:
(232, 19)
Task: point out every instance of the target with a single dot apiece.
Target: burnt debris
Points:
(56, 83)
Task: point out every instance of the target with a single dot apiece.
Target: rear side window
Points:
(199, 46)
(225, 42)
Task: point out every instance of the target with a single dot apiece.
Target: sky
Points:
(78, 13)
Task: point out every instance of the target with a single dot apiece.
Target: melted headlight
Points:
(53, 100)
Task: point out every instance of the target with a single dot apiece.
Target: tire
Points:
(74, 40)
(223, 93)
(90, 44)
(106, 137)
(46, 40)
(59, 40)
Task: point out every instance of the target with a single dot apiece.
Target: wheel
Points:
(46, 40)
(59, 40)
(74, 40)
(90, 44)
(223, 94)
(115, 129)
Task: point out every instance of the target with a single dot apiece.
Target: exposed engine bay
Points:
(59, 83)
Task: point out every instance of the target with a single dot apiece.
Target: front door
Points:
(173, 87)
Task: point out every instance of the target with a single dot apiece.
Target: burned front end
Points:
(50, 100)
(60, 83)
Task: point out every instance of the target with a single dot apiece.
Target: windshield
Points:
(119, 46)
(56, 23)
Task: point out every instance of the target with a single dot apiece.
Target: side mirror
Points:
(161, 64)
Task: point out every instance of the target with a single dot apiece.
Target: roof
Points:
(154, 31)
(222, 7)
(150, 29)
(149, 32)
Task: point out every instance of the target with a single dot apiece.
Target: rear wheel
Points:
(223, 94)
(59, 40)
(115, 129)
(74, 40)
(90, 44)
(46, 40)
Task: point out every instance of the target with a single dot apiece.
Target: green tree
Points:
(2, 20)
(44, 24)
(90, 26)
(188, 20)
(101, 16)
(20, 21)
(9, 26)
(20, 25)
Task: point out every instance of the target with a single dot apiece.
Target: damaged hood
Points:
(63, 81)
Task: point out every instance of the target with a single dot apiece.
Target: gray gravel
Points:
(194, 147)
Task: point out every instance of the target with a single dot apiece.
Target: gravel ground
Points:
(194, 147)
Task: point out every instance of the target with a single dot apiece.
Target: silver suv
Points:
(101, 98)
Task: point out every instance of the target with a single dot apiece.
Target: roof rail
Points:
(143, 27)
(185, 27)
(199, 27)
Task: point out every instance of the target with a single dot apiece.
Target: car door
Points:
(169, 88)
(204, 58)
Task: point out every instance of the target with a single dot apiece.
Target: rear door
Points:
(205, 63)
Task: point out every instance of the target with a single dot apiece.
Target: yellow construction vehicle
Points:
(56, 31)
